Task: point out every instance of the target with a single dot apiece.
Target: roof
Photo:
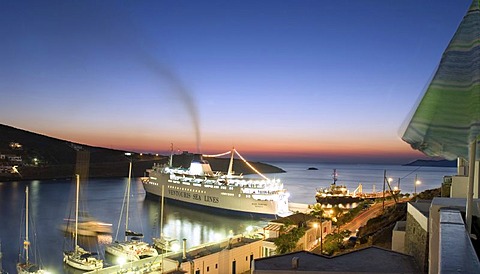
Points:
(367, 260)
(423, 206)
(213, 248)
(296, 219)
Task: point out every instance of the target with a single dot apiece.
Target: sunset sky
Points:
(329, 81)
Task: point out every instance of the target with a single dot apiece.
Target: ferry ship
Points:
(198, 185)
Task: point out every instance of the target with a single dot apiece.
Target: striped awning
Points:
(447, 118)
(272, 227)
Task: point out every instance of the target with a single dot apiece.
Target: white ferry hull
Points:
(218, 197)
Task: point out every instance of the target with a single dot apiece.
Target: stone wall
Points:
(416, 242)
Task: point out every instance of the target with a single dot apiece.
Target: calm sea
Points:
(51, 201)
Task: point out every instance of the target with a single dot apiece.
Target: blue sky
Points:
(323, 80)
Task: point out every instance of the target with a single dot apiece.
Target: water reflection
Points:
(197, 226)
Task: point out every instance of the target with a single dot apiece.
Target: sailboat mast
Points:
(76, 210)
(128, 197)
(26, 243)
(161, 212)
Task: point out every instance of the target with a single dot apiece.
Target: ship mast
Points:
(170, 163)
(334, 176)
(230, 166)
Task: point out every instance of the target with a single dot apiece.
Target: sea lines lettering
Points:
(198, 197)
(210, 199)
(179, 193)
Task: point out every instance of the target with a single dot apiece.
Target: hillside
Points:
(433, 163)
(44, 157)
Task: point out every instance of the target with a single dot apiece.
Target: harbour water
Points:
(51, 202)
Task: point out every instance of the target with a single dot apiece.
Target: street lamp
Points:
(315, 225)
(417, 182)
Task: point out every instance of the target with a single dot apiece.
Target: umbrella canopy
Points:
(447, 118)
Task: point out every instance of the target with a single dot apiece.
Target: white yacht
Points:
(28, 267)
(132, 248)
(79, 258)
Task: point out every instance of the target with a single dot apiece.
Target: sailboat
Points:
(165, 243)
(28, 267)
(79, 258)
(133, 248)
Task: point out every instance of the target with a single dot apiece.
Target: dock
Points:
(298, 207)
(146, 265)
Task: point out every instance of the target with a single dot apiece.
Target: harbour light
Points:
(121, 260)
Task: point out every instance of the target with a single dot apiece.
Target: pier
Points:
(146, 265)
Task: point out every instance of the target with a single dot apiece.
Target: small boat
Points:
(87, 226)
(27, 267)
(132, 248)
(336, 194)
(79, 258)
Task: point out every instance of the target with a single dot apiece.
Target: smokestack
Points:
(184, 249)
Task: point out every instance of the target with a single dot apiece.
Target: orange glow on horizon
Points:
(138, 141)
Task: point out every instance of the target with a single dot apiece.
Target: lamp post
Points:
(417, 182)
(321, 236)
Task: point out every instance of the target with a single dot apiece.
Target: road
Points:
(362, 218)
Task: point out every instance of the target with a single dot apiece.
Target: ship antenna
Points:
(230, 166)
(170, 163)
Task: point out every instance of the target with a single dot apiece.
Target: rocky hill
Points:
(433, 163)
(44, 157)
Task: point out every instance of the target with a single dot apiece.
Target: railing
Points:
(456, 252)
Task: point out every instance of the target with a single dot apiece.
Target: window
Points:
(216, 266)
(208, 268)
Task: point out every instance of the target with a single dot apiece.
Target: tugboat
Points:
(335, 194)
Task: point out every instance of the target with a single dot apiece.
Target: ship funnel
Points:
(200, 167)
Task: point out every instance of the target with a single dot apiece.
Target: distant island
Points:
(312, 168)
(25, 155)
(433, 163)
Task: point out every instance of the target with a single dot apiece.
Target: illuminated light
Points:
(249, 229)
(249, 165)
(418, 182)
(156, 154)
(216, 155)
(121, 260)
(315, 225)
(217, 237)
(389, 180)
(175, 247)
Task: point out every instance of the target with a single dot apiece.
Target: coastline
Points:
(120, 169)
